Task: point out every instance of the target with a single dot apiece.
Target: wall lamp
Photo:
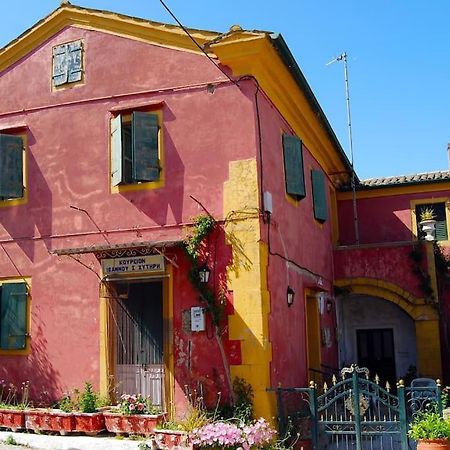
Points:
(290, 294)
(203, 274)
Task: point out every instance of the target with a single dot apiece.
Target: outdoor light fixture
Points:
(290, 293)
(203, 274)
(329, 305)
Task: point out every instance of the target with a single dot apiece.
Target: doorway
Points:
(376, 352)
(313, 339)
(139, 339)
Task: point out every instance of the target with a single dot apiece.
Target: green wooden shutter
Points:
(319, 195)
(293, 166)
(116, 151)
(145, 147)
(11, 166)
(13, 316)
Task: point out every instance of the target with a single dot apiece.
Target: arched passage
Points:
(378, 319)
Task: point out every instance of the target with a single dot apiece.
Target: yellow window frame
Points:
(24, 199)
(25, 351)
(424, 201)
(150, 185)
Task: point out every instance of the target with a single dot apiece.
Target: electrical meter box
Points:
(197, 318)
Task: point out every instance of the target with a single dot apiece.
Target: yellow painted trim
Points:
(313, 338)
(431, 263)
(258, 57)
(68, 15)
(152, 184)
(66, 86)
(396, 190)
(104, 342)
(27, 350)
(23, 200)
(169, 372)
(247, 278)
(423, 201)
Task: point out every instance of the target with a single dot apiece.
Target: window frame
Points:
(68, 84)
(22, 132)
(429, 201)
(26, 350)
(126, 118)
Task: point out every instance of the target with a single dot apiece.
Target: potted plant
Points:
(428, 223)
(13, 402)
(134, 415)
(87, 417)
(430, 430)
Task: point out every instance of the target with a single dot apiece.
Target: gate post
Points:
(402, 415)
(356, 409)
(314, 414)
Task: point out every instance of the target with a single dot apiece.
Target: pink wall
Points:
(297, 236)
(68, 160)
(381, 219)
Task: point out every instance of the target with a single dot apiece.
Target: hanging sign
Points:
(133, 265)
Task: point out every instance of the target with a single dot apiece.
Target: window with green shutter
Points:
(11, 166)
(13, 316)
(319, 195)
(135, 148)
(440, 217)
(293, 166)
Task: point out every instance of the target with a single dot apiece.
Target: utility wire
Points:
(195, 42)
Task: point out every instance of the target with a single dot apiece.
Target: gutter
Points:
(286, 56)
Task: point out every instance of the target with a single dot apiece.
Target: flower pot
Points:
(89, 423)
(132, 424)
(14, 419)
(432, 444)
(172, 440)
(303, 444)
(49, 420)
(428, 227)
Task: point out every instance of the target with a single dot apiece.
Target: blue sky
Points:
(399, 64)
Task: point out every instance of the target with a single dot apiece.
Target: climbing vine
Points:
(194, 247)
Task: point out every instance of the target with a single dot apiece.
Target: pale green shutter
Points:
(13, 316)
(145, 156)
(116, 151)
(11, 166)
(293, 166)
(319, 195)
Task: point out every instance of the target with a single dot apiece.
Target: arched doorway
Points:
(379, 335)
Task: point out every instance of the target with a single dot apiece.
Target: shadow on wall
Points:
(36, 214)
(36, 370)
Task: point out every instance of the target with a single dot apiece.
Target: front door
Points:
(376, 352)
(139, 340)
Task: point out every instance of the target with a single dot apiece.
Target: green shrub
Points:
(88, 399)
(429, 425)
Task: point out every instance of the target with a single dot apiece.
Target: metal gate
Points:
(139, 343)
(354, 412)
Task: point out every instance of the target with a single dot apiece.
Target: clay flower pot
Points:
(433, 444)
(89, 423)
(49, 420)
(14, 419)
(132, 424)
(172, 439)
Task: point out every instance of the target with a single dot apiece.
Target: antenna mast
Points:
(343, 57)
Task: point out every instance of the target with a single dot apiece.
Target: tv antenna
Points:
(343, 57)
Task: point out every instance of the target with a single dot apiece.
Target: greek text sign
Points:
(133, 265)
